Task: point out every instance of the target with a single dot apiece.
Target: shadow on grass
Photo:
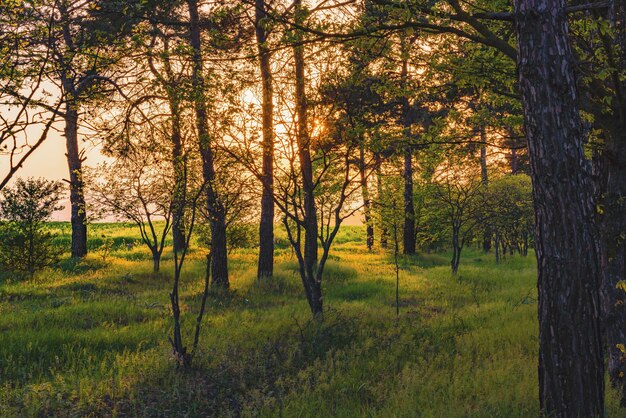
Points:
(230, 383)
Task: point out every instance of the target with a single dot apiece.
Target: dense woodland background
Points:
(238, 136)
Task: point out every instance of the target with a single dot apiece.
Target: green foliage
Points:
(25, 245)
(22, 253)
(90, 342)
(30, 202)
(239, 235)
(508, 207)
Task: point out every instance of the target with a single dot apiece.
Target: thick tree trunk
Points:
(156, 262)
(77, 195)
(219, 260)
(613, 262)
(571, 369)
(316, 300)
(613, 218)
(266, 226)
(367, 210)
(408, 238)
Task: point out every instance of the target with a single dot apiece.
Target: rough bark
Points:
(571, 369)
(613, 218)
(266, 226)
(216, 211)
(77, 196)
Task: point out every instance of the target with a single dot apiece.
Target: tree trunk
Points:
(219, 251)
(408, 238)
(483, 157)
(266, 226)
(179, 351)
(156, 262)
(367, 211)
(219, 260)
(180, 179)
(497, 248)
(77, 195)
(514, 162)
(485, 181)
(456, 251)
(306, 172)
(571, 369)
(384, 235)
(613, 218)
(316, 301)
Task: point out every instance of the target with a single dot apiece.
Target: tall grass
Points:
(89, 338)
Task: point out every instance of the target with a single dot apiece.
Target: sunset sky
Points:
(49, 162)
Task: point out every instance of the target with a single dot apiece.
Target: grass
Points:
(90, 338)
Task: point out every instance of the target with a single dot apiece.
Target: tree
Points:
(571, 381)
(22, 75)
(215, 208)
(571, 369)
(181, 354)
(163, 63)
(508, 211)
(25, 246)
(137, 188)
(310, 272)
(600, 43)
(354, 92)
(266, 226)
(459, 194)
(74, 53)
(317, 185)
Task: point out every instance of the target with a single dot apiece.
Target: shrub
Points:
(25, 245)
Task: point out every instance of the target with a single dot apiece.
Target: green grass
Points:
(90, 338)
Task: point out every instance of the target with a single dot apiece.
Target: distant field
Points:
(90, 338)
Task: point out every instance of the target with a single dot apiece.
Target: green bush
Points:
(22, 253)
(25, 245)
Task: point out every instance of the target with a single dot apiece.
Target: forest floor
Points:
(90, 338)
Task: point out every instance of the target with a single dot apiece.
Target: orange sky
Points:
(49, 162)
